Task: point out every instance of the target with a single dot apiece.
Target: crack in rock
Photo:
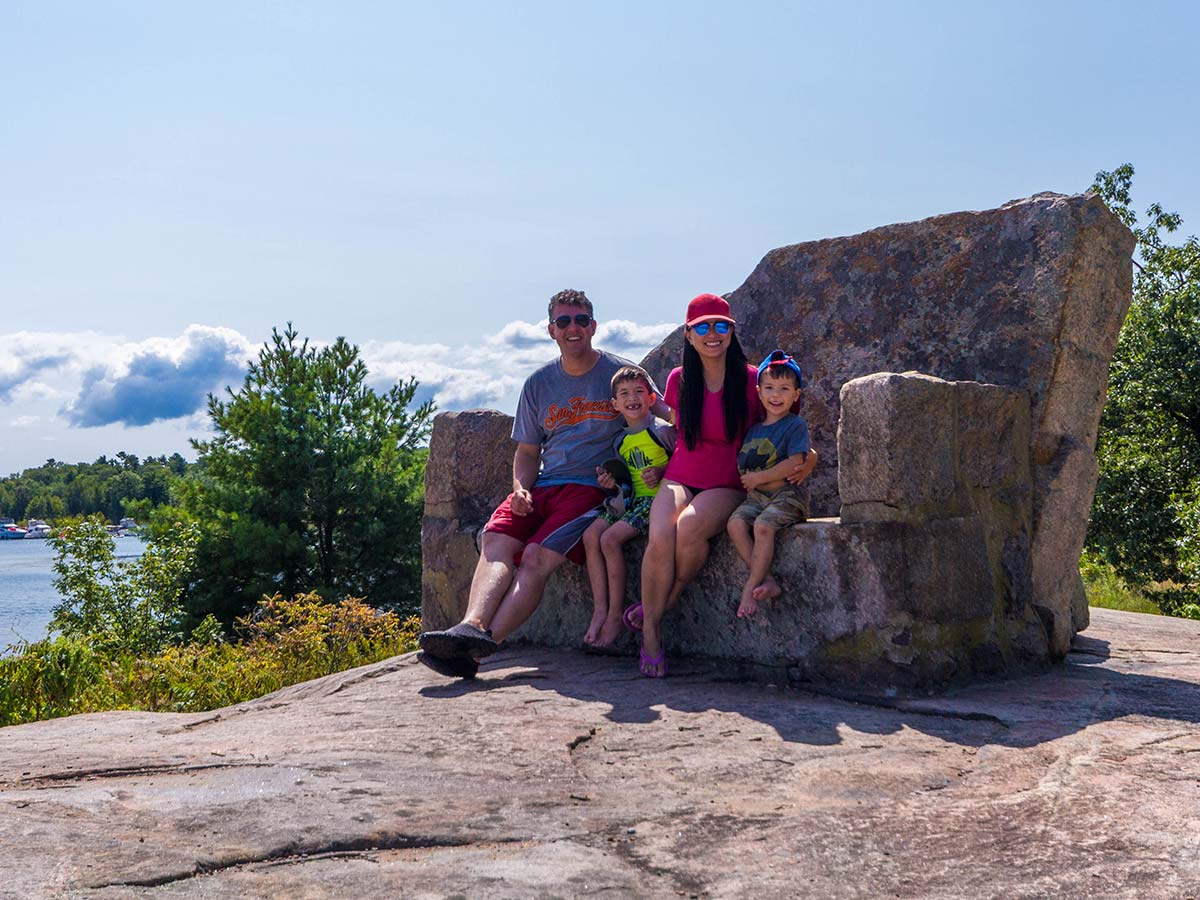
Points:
(576, 742)
(293, 853)
(129, 772)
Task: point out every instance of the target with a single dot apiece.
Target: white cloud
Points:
(88, 394)
(490, 373)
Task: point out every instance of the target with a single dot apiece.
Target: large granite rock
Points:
(1031, 295)
(923, 582)
(963, 491)
(557, 774)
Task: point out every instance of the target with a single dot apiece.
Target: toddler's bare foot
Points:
(748, 606)
(610, 632)
(599, 617)
(768, 590)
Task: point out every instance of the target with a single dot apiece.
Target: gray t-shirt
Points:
(572, 418)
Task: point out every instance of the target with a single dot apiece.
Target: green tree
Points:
(1147, 502)
(106, 486)
(313, 481)
(132, 606)
(46, 506)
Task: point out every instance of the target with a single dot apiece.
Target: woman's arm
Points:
(784, 470)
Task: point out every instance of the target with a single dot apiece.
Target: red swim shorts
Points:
(560, 516)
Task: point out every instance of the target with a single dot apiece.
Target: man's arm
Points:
(526, 463)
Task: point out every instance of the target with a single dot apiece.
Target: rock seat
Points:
(953, 498)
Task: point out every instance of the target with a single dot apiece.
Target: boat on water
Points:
(10, 532)
(37, 529)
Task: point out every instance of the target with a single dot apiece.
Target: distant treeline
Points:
(115, 487)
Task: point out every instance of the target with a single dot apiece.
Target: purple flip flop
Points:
(649, 665)
(632, 617)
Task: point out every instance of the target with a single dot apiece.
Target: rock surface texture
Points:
(963, 486)
(557, 774)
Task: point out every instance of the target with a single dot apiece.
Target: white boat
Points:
(37, 529)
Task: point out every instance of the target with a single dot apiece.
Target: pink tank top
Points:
(714, 461)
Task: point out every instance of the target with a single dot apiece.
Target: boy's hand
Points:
(605, 479)
(751, 480)
(652, 475)
(522, 502)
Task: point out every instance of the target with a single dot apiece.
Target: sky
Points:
(178, 179)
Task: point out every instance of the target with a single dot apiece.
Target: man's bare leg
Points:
(492, 578)
(525, 592)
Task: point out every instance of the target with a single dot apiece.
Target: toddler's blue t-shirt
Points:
(766, 445)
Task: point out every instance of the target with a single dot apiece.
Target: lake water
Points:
(27, 592)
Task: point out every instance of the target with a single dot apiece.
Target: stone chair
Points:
(951, 500)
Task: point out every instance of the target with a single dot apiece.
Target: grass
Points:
(1108, 590)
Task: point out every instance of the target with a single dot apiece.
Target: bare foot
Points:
(768, 590)
(599, 617)
(748, 606)
(609, 633)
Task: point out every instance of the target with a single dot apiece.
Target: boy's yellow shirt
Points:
(639, 449)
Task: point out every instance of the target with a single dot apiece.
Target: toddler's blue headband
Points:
(779, 358)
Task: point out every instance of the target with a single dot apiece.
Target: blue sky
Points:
(175, 180)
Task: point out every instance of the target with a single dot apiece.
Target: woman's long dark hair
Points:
(691, 392)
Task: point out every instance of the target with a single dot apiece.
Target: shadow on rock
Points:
(1021, 712)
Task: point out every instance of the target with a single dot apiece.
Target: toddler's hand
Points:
(749, 480)
(605, 479)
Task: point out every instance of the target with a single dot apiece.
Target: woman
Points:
(713, 397)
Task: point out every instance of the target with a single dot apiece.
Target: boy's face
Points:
(633, 400)
(777, 393)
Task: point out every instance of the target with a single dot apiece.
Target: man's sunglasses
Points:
(583, 320)
(701, 328)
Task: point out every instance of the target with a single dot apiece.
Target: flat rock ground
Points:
(559, 774)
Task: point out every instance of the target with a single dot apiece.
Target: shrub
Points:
(283, 642)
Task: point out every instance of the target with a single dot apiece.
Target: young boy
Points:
(643, 447)
(775, 448)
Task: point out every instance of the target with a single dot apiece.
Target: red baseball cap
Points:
(708, 308)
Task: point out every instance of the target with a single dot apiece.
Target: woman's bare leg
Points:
(705, 517)
(658, 562)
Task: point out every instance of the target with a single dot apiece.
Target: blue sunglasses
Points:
(701, 328)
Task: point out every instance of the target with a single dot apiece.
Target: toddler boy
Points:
(774, 449)
(643, 447)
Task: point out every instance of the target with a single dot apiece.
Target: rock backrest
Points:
(1031, 295)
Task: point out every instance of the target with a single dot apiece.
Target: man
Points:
(564, 428)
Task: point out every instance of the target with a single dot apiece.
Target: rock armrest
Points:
(468, 473)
